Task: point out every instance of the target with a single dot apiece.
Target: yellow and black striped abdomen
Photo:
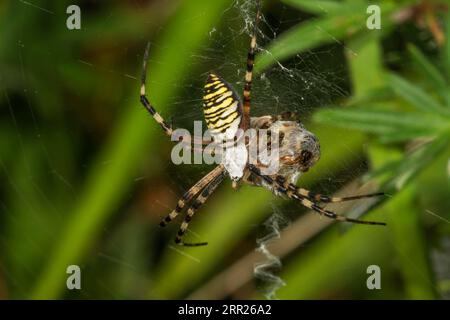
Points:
(221, 107)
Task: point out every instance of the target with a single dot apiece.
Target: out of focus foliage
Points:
(86, 174)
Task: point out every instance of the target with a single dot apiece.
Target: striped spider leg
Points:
(145, 101)
(196, 204)
(168, 130)
(209, 182)
(245, 124)
(310, 200)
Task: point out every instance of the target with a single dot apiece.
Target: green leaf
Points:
(315, 6)
(398, 173)
(406, 228)
(317, 32)
(370, 96)
(366, 77)
(416, 161)
(405, 225)
(399, 125)
(415, 95)
(431, 72)
(405, 135)
(312, 33)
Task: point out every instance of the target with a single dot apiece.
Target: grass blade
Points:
(431, 72)
(410, 245)
(384, 122)
(307, 35)
(415, 162)
(315, 6)
(317, 32)
(415, 95)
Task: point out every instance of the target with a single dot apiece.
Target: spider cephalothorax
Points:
(298, 149)
(225, 115)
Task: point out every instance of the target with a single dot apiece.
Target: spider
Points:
(225, 114)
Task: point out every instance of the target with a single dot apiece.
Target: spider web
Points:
(301, 84)
(309, 80)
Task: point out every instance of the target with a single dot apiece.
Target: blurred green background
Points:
(85, 172)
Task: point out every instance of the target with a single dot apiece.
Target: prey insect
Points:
(225, 114)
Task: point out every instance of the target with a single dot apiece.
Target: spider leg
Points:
(245, 124)
(317, 197)
(201, 199)
(291, 191)
(329, 214)
(144, 100)
(191, 193)
(148, 106)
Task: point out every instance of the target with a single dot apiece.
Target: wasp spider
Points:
(224, 113)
